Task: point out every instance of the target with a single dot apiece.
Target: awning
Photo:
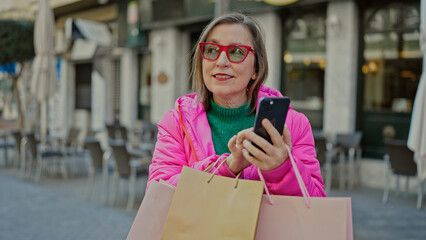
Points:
(99, 14)
(90, 30)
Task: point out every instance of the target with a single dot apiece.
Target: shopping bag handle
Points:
(214, 172)
(302, 185)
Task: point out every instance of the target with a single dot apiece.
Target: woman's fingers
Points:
(287, 137)
(231, 142)
(273, 133)
(253, 150)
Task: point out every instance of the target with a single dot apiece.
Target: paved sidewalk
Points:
(58, 209)
(397, 220)
(47, 212)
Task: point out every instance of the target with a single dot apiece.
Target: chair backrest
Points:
(116, 132)
(321, 149)
(96, 152)
(72, 137)
(121, 156)
(348, 140)
(17, 135)
(401, 158)
(32, 144)
(110, 131)
(123, 132)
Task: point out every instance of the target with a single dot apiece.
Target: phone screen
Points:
(275, 110)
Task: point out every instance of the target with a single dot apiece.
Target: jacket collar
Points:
(191, 109)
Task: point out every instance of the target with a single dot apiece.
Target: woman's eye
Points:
(237, 51)
(211, 49)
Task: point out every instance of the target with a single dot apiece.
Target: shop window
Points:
(304, 61)
(393, 59)
(390, 72)
(116, 88)
(145, 87)
(83, 86)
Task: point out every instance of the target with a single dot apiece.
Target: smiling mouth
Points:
(222, 76)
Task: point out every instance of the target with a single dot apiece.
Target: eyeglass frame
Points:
(225, 48)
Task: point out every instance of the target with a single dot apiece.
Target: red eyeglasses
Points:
(235, 53)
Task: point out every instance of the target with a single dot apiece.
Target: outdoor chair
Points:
(346, 151)
(71, 147)
(324, 156)
(127, 167)
(99, 163)
(42, 157)
(17, 135)
(399, 160)
(5, 144)
(116, 132)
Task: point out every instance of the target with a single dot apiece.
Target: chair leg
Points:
(91, 176)
(39, 169)
(63, 166)
(105, 166)
(114, 189)
(132, 189)
(328, 172)
(398, 189)
(419, 193)
(23, 156)
(342, 179)
(351, 165)
(407, 183)
(387, 178)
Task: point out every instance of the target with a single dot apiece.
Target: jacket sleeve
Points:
(282, 180)
(173, 151)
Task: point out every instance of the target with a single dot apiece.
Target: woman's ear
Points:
(254, 76)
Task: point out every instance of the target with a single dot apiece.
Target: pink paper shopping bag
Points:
(151, 217)
(303, 218)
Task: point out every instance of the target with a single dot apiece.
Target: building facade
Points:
(348, 65)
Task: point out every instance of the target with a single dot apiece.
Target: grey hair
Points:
(261, 61)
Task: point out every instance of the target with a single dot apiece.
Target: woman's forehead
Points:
(230, 34)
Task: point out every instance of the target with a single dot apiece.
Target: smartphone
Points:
(275, 110)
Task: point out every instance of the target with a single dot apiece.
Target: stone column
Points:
(271, 25)
(129, 87)
(341, 71)
(169, 65)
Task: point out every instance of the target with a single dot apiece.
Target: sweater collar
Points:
(229, 114)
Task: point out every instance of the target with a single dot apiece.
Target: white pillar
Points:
(170, 57)
(66, 96)
(129, 87)
(341, 71)
(271, 25)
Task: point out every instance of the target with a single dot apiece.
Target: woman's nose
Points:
(222, 60)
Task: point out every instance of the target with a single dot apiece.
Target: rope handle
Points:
(302, 185)
(215, 171)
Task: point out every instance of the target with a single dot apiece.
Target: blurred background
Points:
(353, 67)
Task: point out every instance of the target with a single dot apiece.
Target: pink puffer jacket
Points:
(174, 149)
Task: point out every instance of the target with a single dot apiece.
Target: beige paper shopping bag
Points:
(207, 207)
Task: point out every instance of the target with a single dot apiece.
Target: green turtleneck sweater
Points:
(227, 122)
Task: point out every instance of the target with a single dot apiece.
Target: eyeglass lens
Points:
(234, 53)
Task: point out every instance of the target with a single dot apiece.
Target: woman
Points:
(229, 69)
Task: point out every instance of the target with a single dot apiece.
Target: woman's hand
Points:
(236, 161)
(273, 155)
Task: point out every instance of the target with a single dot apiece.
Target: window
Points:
(304, 61)
(390, 72)
(116, 88)
(393, 60)
(83, 86)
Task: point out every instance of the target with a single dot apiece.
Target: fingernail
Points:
(246, 143)
(245, 152)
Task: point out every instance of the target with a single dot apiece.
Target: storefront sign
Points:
(280, 2)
